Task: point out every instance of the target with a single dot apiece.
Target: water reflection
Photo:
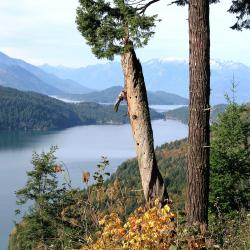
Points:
(20, 139)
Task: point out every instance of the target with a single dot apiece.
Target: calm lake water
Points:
(80, 148)
(164, 108)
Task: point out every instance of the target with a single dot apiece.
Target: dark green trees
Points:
(117, 28)
(242, 9)
(230, 160)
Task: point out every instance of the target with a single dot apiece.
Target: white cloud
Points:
(44, 31)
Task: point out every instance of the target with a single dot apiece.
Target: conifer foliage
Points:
(242, 9)
(108, 27)
(230, 160)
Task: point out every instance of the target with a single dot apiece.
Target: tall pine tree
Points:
(118, 28)
(199, 112)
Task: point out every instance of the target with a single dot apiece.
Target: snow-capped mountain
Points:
(167, 74)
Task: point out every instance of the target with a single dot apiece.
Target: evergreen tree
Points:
(118, 28)
(239, 7)
(242, 9)
(230, 160)
(199, 113)
(199, 110)
(42, 189)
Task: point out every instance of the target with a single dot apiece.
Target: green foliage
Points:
(242, 9)
(41, 186)
(181, 114)
(230, 160)
(43, 191)
(111, 28)
(231, 231)
(100, 174)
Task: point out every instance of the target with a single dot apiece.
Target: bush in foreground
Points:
(153, 228)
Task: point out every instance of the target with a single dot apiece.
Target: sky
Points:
(44, 31)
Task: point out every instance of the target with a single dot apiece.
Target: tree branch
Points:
(120, 98)
(141, 6)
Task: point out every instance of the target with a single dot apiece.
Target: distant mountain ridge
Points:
(109, 95)
(168, 75)
(18, 74)
(16, 77)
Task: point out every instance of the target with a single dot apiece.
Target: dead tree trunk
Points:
(199, 112)
(138, 111)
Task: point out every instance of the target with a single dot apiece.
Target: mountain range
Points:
(168, 75)
(18, 74)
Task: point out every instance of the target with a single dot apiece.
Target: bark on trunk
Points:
(199, 112)
(138, 111)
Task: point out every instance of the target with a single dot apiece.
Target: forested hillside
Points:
(32, 111)
(109, 95)
(29, 110)
(172, 164)
(181, 114)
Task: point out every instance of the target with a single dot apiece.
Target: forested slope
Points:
(109, 95)
(33, 111)
(181, 114)
(29, 110)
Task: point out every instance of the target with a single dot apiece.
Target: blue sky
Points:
(44, 31)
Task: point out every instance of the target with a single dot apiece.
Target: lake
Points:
(80, 149)
(158, 108)
(164, 108)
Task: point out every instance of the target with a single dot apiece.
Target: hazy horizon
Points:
(169, 59)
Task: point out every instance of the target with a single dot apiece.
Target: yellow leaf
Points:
(101, 222)
(166, 208)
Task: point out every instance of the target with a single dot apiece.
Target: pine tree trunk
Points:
(199, 112)
(138, 111)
